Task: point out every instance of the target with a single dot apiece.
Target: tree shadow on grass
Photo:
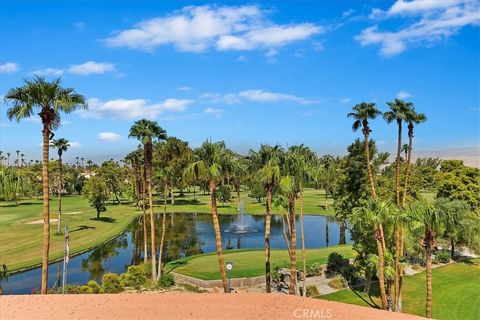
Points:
(82, 227)
(187, 202)
(176, 264)
(104, 219)
(20, 204)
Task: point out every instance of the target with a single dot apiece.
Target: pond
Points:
(187, 234)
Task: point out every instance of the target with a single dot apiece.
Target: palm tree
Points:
(361, 113)
(18, 158)
(210, 165)
(413, 118)
(164, 221)
(51, 99)
(146, 131)
(268, 169)
(22, 160)
(430, 221)
(374, 213)
(82, 159)
(8, 158)
(61, 145)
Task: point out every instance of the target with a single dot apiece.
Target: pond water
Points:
(187, 234)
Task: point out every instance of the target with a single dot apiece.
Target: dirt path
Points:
(183, 306)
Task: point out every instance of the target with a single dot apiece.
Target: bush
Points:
(350, 274)
(166, 280)
(134, 277)
(338, 282)
(314, 270)
(147, 268)
(92, 284)
(72, 289)
(111, 283)
(312, 291)
(335, 264)
(86, 289)
(442, 256)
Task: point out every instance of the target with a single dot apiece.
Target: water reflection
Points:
(187, 234)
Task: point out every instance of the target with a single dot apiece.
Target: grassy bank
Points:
(248, 263)
(456, 292)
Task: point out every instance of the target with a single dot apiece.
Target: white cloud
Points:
(9, 67)
(345, 100)
(436, 20)
(49, 72)
(184, 88)
(80, 25)
(91, 67)
(74, 144)
(131, 108)
(347, 13)
(403, 95)
(199, 28)
(254, 95)
(213, 111)
(108, 136)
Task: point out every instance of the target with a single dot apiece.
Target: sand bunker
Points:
(40, 221)
(74, 212)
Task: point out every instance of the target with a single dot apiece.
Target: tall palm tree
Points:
(146, 131)
(164, 220)
(210, 164)
(8, 158)
(51, 99)
(413, 118)
(269, 160)
(430, 221)
(399, 111)
(61, 145)
(362, 112)
(18, 157)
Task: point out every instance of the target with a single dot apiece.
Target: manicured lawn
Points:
(21, 243)
(249, 263)
(456, 292)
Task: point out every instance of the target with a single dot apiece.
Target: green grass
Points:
(456, 292)
(314, 203)
(21, 243)
(248, 263)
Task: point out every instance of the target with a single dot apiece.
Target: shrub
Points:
(312, 291)
(147, 268)
(338, 282)
(86, 289)
(224, 194)
(134, 277)
(335, 264)
(92, 284)
(314, 270)
(442, 256)
(72, 289)
(166, 280)
(350, 274)
(111, 283)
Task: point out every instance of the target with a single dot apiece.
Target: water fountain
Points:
(239, 226)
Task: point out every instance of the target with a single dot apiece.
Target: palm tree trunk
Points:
(144, 209)
(268, 201)
(304, 256)
(428, 256)
(293, 246)
(343, 237)
(164, 226)
(368, 282)
(452, 248)
(396, 267)
(46, 209)
(59, 224)
(397, 163)
(369, 167)
(381, 267)
(148, 162)
(218, 236)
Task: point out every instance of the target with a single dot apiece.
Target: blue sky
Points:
(245, 72)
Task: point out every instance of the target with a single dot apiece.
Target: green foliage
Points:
(111, 283)
(338, 282)
(314, 270)
(459, 182)
(335, 263)
(134, 277)
(114, 177)
(442, 256)
(10, 184)
(166, 280)
(93, 285)
(86, 290)
(257, 191)
(96, 192)
(224, 193)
